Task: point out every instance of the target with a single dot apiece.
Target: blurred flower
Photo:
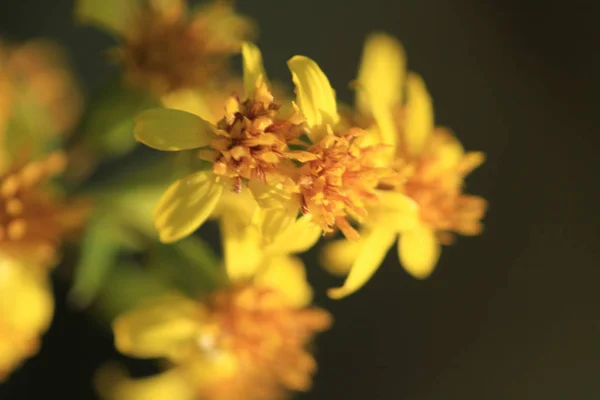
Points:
(167, 47)
(426, 204)
(246, 341)
(26, 308)
(33, 220)
(40, 97)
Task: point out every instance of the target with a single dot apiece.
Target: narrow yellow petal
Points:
(269, 195)
(419, 251)
(172, 130)
(191, 101)
(185, 205)
(254, 72)
(375, 245)
(241, 242)
(314, 94)
(166, 328)
(113, 383)
(26, 303)
(300, 236)
(113, 15)
(419, 115)
(382, 73)
(288, 276)
(274, 221)
(396, 211)
(338, 256)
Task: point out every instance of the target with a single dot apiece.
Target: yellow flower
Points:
(165, 47)
(40, 98)
(427, 204)
(246, 341)
(26, 308)
(33, 222)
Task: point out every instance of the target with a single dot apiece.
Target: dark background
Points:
(513, 314)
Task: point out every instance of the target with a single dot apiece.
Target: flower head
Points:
(165, 47)
(33, 222)
(426, 204)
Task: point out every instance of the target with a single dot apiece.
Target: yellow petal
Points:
(338, 256)
(288, 276)
(241, 246)
(113, 383)
(419, 115)
(396, 211)
(254, 72)
(419, 251)
(269, 195)
(185, 205)
(274, 221)
(446, 149)
(191, 101)
(26, 303)
(166, 328)
(300, 236)
(375, 245)
(172, 130)
(314, 94)
(382, 73)
(113, 15)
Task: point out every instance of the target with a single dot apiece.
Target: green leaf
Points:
(99, 252)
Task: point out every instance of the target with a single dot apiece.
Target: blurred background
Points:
(512, 314)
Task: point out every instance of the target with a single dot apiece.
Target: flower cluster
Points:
(276, 174)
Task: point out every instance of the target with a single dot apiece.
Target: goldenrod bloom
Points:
(40, 98)
(333, 175)
(26, 308)
(247, 341)
(165, 46)
(33, 221)
(429, 204)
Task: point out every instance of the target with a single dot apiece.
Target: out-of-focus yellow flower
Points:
(247, 341)
(165, 46)
(33, 220)
(427, 204)
(26, 308)
(40, 98)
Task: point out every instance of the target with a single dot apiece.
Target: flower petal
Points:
(382, 73)
(254, 71)
(299, 236)
(113, 15)
(185, 205)
(163, 329)
(26, 303)
(241, 243)
(288, 276)
(113, 383)
(396, 211)
(274, 221)
(338, 256)
(419, 251)
(419, 115)
(172, 130)
(315, 96)
(375, 245)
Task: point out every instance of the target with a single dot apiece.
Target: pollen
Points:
(268, 340)
(252, 140)
(341, 179)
